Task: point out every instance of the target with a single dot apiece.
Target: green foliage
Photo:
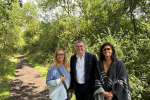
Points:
(97, 22)
(125, 24)
(12, 18)
(7, 72)
(96, 47)
(10, 27)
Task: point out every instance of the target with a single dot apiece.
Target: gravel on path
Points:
(27, 83)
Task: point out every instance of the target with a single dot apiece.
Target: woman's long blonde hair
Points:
(65, 62)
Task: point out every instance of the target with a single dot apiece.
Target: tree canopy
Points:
(124, 23)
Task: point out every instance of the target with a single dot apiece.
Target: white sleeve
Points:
(53, 82)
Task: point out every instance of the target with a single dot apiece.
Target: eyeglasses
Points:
(79, 46)
(60, 54)
(104, 49)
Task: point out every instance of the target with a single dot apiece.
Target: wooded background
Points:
(39, 29)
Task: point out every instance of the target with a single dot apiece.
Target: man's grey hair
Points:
(78, 41)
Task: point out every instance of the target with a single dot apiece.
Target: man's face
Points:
(80, 47)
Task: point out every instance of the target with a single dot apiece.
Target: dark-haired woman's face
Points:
(107, 51)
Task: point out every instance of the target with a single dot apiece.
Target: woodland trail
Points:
(27, 83)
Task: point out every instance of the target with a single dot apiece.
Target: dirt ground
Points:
(27, 83)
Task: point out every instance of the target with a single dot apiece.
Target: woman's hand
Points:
(62, 78)
(111, 94)
(108, 95)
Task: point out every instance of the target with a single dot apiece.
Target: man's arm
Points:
(71, 73)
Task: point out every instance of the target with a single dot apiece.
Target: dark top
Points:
(116, 80)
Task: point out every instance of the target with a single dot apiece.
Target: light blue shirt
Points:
(57, 90)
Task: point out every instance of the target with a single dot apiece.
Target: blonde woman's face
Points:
(60, 56)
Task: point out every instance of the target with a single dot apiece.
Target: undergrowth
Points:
(7, 72)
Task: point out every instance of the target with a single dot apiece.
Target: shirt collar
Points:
(82, 55)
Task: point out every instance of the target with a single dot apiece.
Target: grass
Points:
(7, 72)
(41, 69)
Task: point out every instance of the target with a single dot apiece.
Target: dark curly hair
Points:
(102, 57)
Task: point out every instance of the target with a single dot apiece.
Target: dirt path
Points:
(27, 83)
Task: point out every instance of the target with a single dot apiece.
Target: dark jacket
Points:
(115, 80)
(90, 64)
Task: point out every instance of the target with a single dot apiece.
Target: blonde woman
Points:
(54, 79)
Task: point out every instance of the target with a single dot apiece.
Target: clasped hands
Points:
(108, 95)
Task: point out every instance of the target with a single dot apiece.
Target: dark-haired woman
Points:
(111, 79)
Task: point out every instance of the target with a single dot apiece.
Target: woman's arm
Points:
(98, 85)
(53, 82)
(121, 87)
(50, 81)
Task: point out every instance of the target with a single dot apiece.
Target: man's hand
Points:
(62, 78)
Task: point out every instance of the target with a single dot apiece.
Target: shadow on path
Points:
(27, 83)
